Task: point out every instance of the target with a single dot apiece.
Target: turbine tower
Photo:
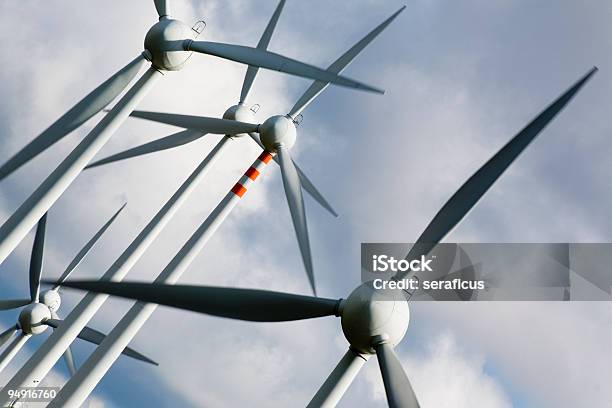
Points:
(373, 321)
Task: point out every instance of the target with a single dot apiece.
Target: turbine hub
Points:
(32, 317)
(277, 130)
(51, 299)
(369, 314)
(240, 113)
(165, 43)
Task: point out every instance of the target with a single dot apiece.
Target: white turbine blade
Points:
(165, 143)
(36, 260)
(87, 107)
(264, 41)
(293, 192)
(241, 304)
(476, 186)
(338, 381)
(275, 62)
(95, 337)
(69, 359)
(13, 303)
(397, 386)
(339, 65)
(163, 8)
(306, 183)
(7, 334)
(312, 190)
(203, 123)
(88, 246)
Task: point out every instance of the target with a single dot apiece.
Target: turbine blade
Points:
(264, 41)
(88, 246)
(293, 191)
(339, 380)
(312, 190)
(203, 123)
(275, 62)
(94, 336)
(13, 303)
(339, 65)
(167, 142)
(68, 357)
(7, 334)
(397, 386)
(36, 260)
(306, 183)
(476, 186)
(163, 8)
(87, 107)
(69, 360)
(241, 304)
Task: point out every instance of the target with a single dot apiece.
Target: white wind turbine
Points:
(373, 321)
(168, 45)
(240, 112)
(276, 136)
(43, 359)
(41, 309)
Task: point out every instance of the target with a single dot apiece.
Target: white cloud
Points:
(446, 375)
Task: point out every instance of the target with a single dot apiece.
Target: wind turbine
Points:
(41, 309)
(43, 359)
(278, 134)
(240, 112)
(373, 321)
(168, 45)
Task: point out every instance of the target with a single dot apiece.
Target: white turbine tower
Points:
(278, 134)
(41, 309)
(168, 45)
(373, 321)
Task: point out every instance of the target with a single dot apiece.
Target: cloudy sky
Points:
(461, 79)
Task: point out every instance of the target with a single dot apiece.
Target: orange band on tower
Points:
(239, 190)
(265, 157)
(252, 173)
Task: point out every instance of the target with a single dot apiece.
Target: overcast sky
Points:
(461, 79)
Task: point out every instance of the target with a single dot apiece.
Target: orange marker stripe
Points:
(265, 157)
(252, 173)
(239, 190)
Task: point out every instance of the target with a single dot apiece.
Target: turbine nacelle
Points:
(32, 318)
(277, 131)
(370, 316)
(51, 299)
(241, 113)
(164, 41)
